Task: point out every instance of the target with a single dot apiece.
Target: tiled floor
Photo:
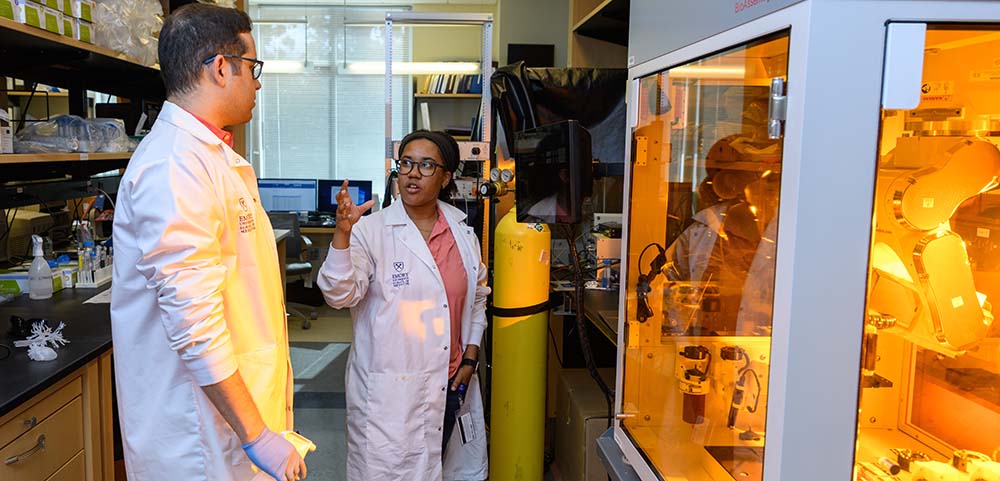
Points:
(319, 357)
(319, 404)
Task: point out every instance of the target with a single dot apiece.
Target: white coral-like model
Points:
(42, 336)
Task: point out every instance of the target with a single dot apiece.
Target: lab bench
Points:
(56, 416)
(600, 308)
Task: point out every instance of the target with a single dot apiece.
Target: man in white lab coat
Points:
(204, 381)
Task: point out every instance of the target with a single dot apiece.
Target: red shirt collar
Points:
(226, 137)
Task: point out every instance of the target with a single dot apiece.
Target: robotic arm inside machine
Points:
(922, 285)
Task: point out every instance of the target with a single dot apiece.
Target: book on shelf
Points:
(441, 84)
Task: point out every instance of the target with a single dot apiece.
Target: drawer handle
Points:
(40, 445)
(30, 423)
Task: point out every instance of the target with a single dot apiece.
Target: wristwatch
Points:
(469, 362)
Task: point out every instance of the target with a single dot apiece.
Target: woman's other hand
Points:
(348, 214)
(463, 376)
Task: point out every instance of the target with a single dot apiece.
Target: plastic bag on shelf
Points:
(130, 27)
(110, 134)
(69, 133)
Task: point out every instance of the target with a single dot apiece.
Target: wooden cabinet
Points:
(65, 432)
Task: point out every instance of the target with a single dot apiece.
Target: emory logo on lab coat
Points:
(400, 278)
(246, 221)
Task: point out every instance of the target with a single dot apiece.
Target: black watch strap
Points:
(469, 362)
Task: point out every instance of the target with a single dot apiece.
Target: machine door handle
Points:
(40, 445)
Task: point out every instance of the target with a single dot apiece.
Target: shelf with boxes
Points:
(70, 18)
(52, 58)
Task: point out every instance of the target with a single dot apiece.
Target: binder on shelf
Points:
(425, 115)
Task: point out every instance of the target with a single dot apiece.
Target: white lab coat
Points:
(196, 296)
(758, 292)
(690, 255)
(398, 366)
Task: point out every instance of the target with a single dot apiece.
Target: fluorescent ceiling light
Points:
(284, 66)
(709, 72)
(404, 68)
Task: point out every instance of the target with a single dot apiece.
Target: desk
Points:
(321, 238)
(88, 327)
(318, 230)
(601, 309)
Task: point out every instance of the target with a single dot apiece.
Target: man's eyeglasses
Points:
(426, 167)
(256, 69)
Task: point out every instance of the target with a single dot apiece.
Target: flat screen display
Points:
(554, 169)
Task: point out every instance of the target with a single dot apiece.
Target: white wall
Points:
(534, 21)
(454, 43)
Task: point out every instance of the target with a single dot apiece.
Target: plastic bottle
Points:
(86, 241)
(85, 237)
(39, 274)
(606, 273)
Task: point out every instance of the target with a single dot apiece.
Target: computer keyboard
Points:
(321, 221)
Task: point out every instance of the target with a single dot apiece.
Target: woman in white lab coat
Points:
(413, 277)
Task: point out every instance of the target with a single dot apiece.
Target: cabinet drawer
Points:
(43, 450)
(71, 471)
(38, 412)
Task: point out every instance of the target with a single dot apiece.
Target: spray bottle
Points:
(39, 275)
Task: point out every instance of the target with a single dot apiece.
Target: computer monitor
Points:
(287, 195)
(360, 190)
(554, 170)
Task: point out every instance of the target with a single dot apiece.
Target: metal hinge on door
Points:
(777, 109)
(641, 150)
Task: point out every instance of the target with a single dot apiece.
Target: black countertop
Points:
(88, 328)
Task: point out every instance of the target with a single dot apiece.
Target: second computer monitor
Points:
(360, 191)
(287, 195)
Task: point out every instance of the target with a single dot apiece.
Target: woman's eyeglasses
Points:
(425, 167)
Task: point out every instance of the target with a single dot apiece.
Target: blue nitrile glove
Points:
(276, 456)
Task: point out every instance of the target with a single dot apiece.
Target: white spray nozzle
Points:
(37, 247)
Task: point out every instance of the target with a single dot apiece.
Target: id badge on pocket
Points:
(468, 429)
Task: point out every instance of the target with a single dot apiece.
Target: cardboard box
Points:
(84, 31)
(6, 132)
(30, 14)
(581, 417)
(13, 283)
(52, 20)
(67, 30)
(82, 9)
(10, 8)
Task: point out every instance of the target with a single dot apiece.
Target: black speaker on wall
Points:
(533, 55)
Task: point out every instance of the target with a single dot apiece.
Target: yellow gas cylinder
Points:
(520, 327)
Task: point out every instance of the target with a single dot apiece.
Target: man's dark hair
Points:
(194, 33)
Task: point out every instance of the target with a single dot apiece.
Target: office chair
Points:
(297, 249)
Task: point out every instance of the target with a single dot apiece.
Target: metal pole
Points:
(388, 92)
